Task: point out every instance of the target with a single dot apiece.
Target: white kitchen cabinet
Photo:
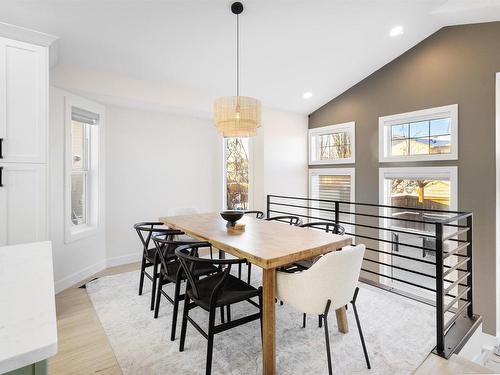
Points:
(23, 203)
(23, 102)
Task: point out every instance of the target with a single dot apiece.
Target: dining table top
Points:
(267, 244)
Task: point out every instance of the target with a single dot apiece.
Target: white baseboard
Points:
(124, 259)
(76, 277)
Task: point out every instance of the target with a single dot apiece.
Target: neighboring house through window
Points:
(429, 134)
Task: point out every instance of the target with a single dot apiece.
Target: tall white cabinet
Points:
(24, 90)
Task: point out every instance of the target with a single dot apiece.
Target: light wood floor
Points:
(83, 347)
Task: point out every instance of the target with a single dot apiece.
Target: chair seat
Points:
(200, 269)
(235, 290)
(150, 255)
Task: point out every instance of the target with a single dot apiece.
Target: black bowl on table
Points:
(231, 216)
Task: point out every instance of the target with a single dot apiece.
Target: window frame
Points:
(385, 123)
(314, 134)
(94, 170)
(250, 173)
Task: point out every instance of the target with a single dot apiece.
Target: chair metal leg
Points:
(158, 296)
(210, 346)
(228, 313)
(327, 337)
(177, 293)
(222, 319)
(327, 341)
(141, 278)
(360, 333)
(260, 320)
(304, 316)
(155, 278)
(184, 323)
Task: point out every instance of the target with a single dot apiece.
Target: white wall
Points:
(155, 162)
(280, 156)
(80, 259)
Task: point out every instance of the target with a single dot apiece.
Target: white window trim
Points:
(449, 173)
(426, 114)
(250, 174)
(96, 189)
(336, 128)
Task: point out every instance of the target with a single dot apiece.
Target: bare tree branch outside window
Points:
(236, 161)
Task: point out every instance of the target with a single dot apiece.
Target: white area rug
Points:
(399, 333)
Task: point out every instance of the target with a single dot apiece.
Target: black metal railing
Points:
(420, 253)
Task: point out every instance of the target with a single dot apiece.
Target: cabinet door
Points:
(23, 203)
(23, 101)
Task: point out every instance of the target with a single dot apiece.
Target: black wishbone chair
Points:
(325, 226)
(290, 219)
(171, 272)
(258, 214)
(219, 290)
(145, 231)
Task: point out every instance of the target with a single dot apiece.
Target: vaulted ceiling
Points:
(288, 47)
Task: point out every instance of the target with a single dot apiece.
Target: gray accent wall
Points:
(456, 65)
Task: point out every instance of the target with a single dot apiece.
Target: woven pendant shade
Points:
(237, 116)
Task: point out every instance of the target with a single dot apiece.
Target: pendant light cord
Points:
(237, 55)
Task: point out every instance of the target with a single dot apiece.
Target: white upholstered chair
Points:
(331, 283)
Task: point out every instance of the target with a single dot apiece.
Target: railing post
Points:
(439, 290)
(470, 309)
(337, 215)
(268, 208)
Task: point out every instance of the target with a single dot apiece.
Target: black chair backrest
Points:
(188, 258)
(258, 214)
(327, 226)
(290, 219)
(146, 229)
(165, 248)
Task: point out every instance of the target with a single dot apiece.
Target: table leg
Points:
(269, 322)
(342, 324)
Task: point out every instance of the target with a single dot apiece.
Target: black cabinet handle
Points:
(1, 149)
(1, 170)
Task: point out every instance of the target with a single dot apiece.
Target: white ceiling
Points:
(288, 47)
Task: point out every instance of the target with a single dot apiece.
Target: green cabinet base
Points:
(39, 368)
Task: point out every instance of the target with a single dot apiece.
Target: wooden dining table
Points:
(269, 245)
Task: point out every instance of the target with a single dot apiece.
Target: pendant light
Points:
(237, 116)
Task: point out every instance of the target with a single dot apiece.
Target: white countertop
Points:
(28, 327)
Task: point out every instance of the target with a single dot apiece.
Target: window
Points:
(334, 144)
(237, 173)
(432, 188)
(84, 126)
(430, 134)
(335, 184)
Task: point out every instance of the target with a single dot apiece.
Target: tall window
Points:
(429, 134)
(236, 173)
(80, 160)
(333, 144)
(84, 126)
(336, 184)
(430, 188)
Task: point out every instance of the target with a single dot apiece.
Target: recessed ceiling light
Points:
(307, 95)
(397, 31)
